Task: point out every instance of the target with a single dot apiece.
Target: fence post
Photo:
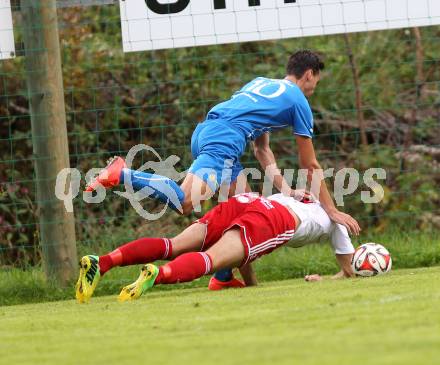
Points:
(49, 135)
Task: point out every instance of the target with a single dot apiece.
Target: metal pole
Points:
(49, 136)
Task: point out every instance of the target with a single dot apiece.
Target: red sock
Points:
(141, 251)
(187, 267)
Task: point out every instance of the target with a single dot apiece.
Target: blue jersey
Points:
(264, 105)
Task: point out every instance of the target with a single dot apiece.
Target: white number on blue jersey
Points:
(258, 86)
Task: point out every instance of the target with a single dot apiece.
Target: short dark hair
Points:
(304, 60)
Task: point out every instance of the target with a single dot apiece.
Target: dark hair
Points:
(304, 60)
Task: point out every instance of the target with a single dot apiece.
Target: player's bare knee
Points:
(190, 240)
(228, 251)
(177, 248)
(218, 260)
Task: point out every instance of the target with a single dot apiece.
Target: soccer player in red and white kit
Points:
(233, 234)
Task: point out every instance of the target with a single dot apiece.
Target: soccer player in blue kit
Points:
(258, 108)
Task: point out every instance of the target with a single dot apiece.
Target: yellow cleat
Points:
(89, 276)
(144, 282)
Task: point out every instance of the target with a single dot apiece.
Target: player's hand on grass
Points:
(313, 277)
(317, 277)
(346, 220)
(340, 275)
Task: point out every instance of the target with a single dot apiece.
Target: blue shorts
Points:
(216, 148)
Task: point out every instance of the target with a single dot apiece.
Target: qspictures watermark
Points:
(346, 182)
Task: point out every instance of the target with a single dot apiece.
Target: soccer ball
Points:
(371, 259)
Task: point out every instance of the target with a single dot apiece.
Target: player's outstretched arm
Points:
(266, 158)
(344, 262)
(263, 153)
(307, 160)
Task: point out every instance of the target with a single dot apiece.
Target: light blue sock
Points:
(162, 188)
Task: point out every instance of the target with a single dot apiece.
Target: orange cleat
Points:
(110, 176)
(215, 284)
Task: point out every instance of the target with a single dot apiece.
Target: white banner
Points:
(7, 46)
(158, 24)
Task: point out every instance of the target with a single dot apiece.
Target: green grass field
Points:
(394, 319)
(408, 250)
